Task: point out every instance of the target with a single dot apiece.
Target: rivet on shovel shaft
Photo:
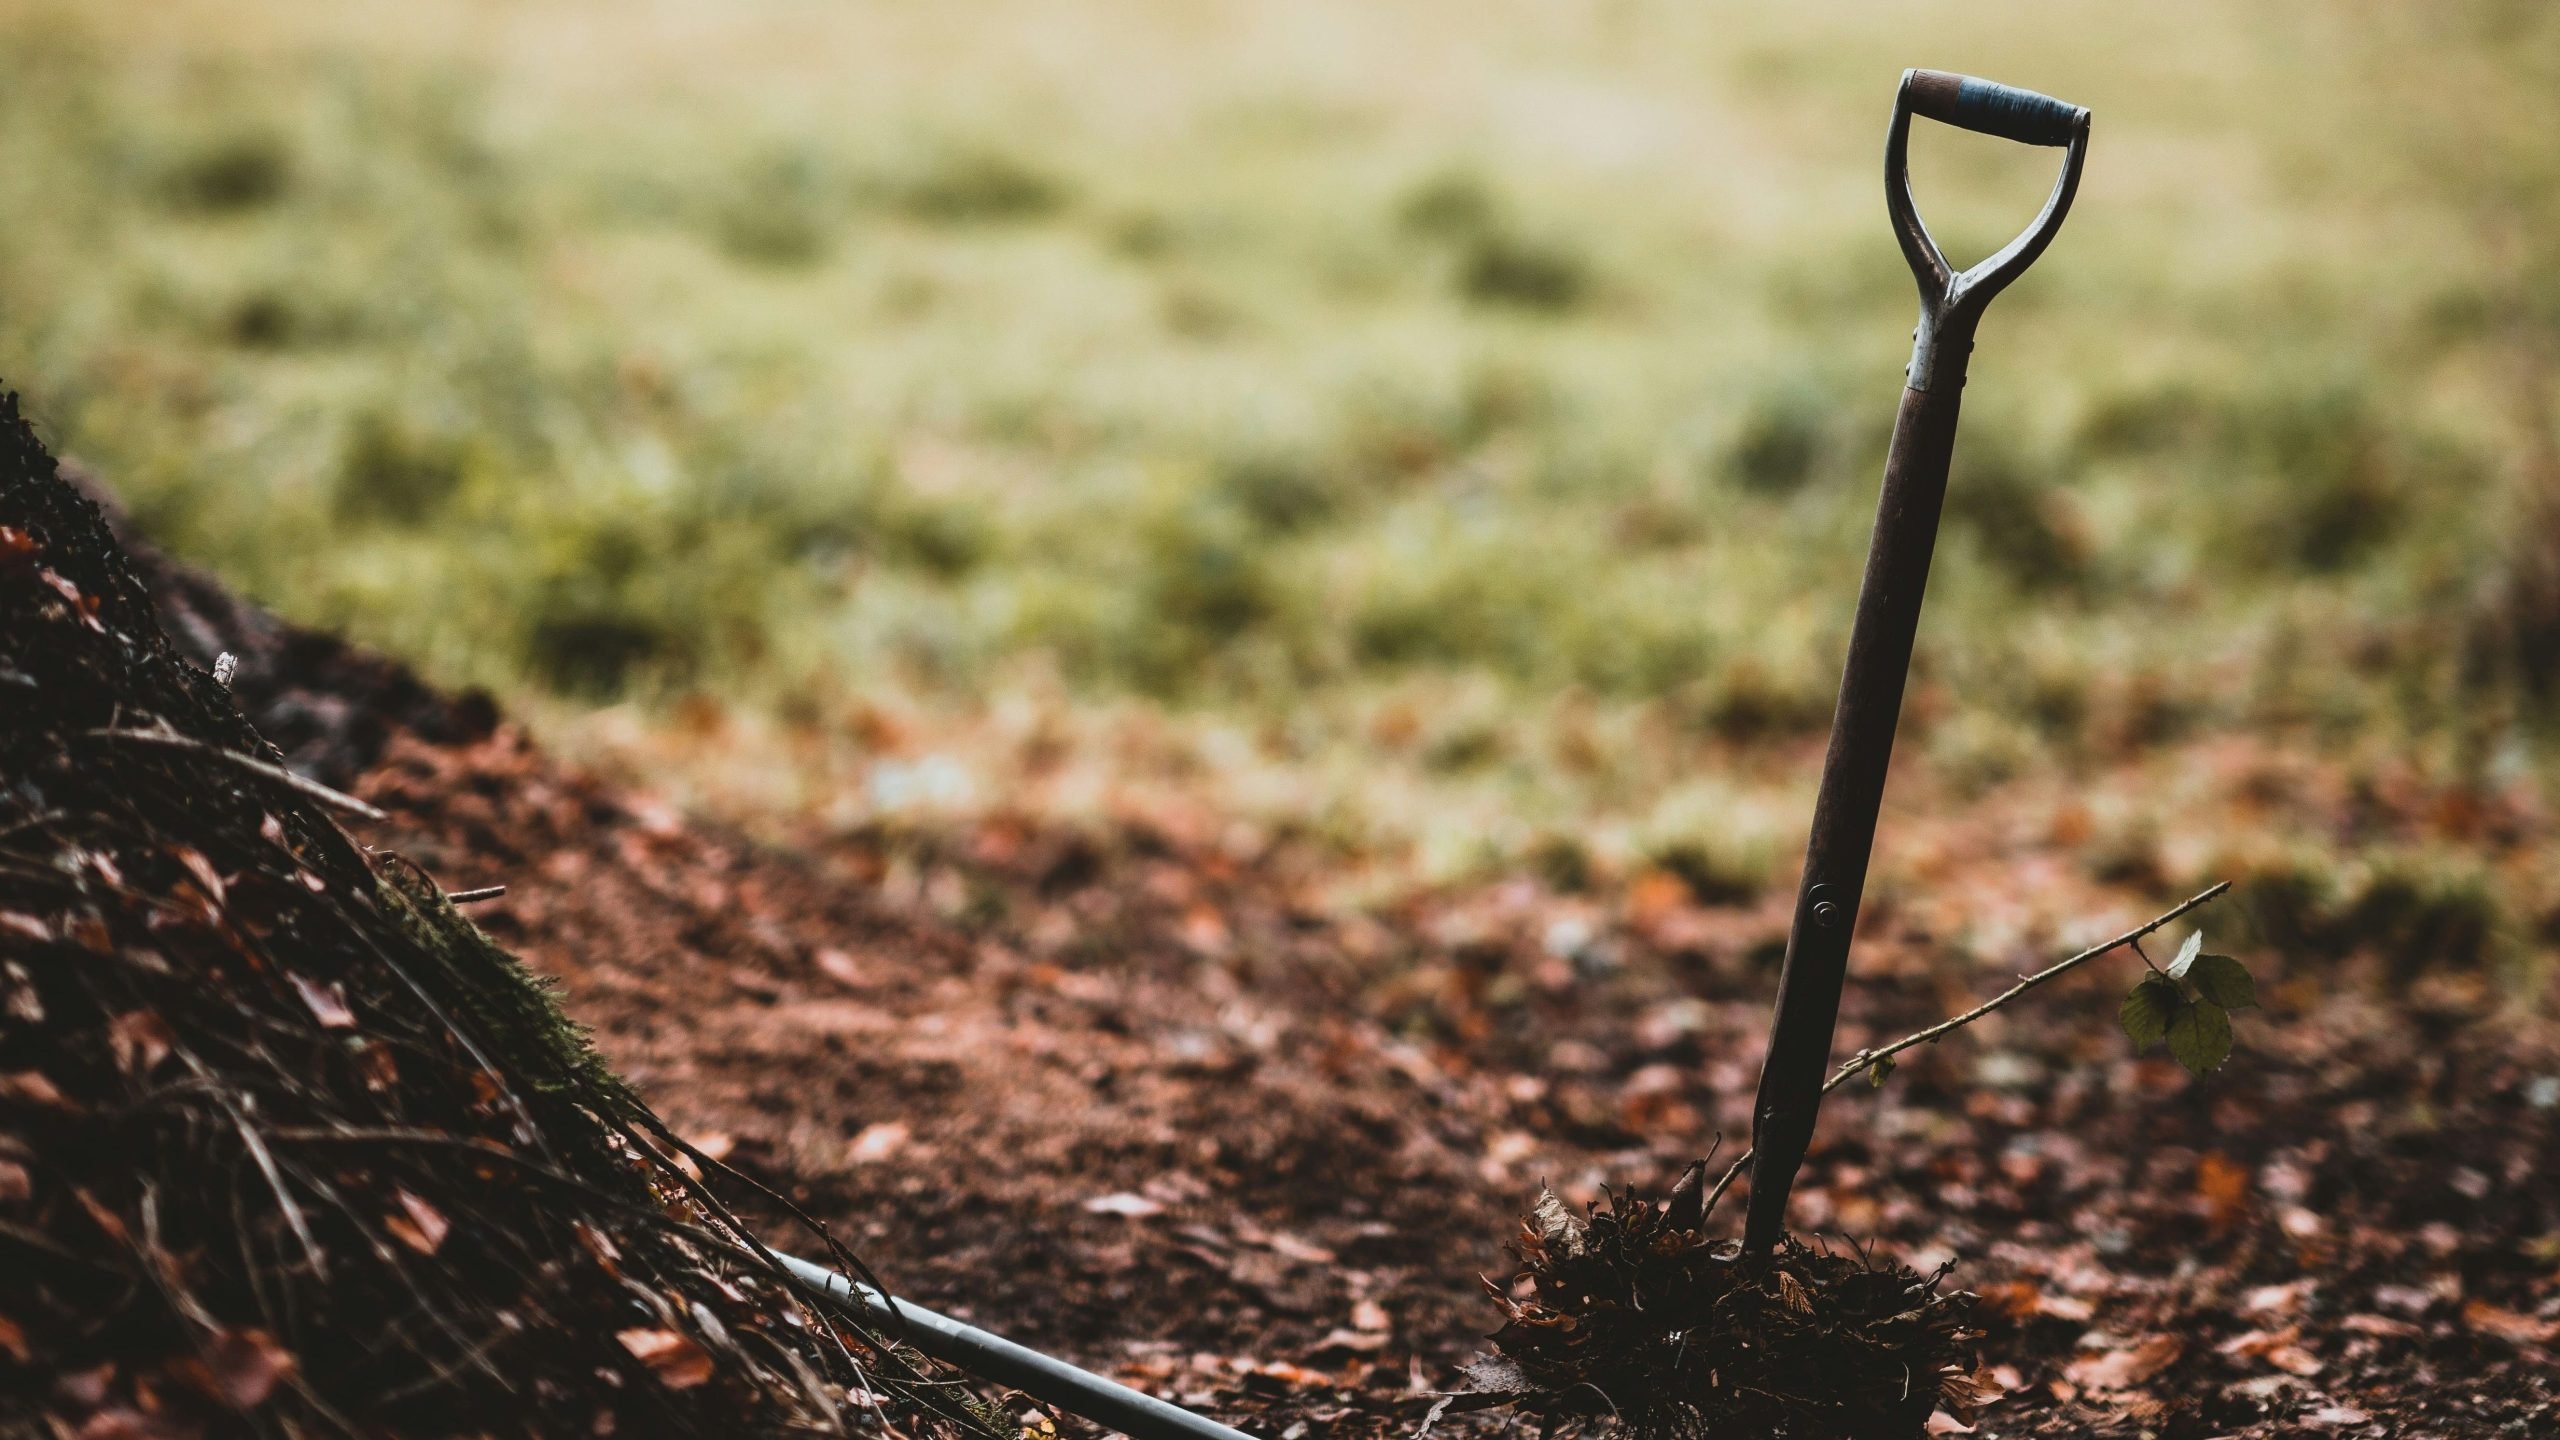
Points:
(1888, 616)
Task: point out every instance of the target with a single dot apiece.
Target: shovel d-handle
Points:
(1888, 616)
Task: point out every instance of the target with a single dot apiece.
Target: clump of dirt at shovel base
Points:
(1635, 1314)
(287, 1146)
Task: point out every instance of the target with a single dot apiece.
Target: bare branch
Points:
(1866, 1060)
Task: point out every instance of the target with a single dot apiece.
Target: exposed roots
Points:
(1631, 1313)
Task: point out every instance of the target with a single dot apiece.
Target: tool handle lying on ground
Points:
(1107, 1403)
(1888, 616)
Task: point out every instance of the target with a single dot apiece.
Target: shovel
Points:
(1915, 482)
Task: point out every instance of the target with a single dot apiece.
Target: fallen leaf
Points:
(32, 1088)
(2016, 1299)
(2224, 1187)
(2276, 1300)
(2511, 1326)
(1655, 894)
(2330, 1417)
(328, 1003)
(202, 869)
(14, 1184)
(123, 1422)
(2125, 1366)
(13, 1340)
(600, 1245)
(839, 966)
(18, 998)
(1289, 1246)
(1136, 1207)
(84, 606)
(374, 1062)
(422, 1227)
(239, 1368)
(716, 1144)
(1792, 1294)
(1360, 1341)
(879, 1141)
(2022, 1300)
(87, 1388)
(141, 1040)
(1369, 1315)
(2066, 1307)
(1205, 930)
(675, 1359)
(2279, 1348)
(1962, 1398)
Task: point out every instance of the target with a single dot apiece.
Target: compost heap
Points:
(287, 1146)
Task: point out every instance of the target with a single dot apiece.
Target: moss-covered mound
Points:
(287, 1146)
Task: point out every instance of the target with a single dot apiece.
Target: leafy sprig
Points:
(2189, 1005)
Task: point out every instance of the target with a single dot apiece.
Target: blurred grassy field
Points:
(1451, 425)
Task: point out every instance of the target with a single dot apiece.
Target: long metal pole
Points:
(966, 1347)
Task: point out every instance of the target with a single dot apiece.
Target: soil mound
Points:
(287, 1145)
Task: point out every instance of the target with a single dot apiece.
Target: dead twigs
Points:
(274, 774)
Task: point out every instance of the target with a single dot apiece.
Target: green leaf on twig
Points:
(2149, 1011)
(2224, 981)
(2200, 1036)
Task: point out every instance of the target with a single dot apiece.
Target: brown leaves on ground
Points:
(238, 1368)
(1341, 1104)
(1335, 1097)
(2125, 1366)
(419, 1225)
(678, 1362)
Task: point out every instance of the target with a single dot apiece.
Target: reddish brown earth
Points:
(1144, 1096)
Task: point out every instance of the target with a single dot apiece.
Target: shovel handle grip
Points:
(1989, 109)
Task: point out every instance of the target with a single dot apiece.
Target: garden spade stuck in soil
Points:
(1915, 482)
(1633, 1314)
(1629, 1310)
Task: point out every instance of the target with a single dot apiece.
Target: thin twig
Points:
(266, 1164)
(309, 789)
(1866, 1060)
(473, 897)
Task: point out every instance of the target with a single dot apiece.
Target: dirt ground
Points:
(1147, 1095)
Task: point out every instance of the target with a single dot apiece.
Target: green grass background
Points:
(1468, 411)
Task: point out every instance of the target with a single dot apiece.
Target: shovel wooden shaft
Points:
(1844, 813)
